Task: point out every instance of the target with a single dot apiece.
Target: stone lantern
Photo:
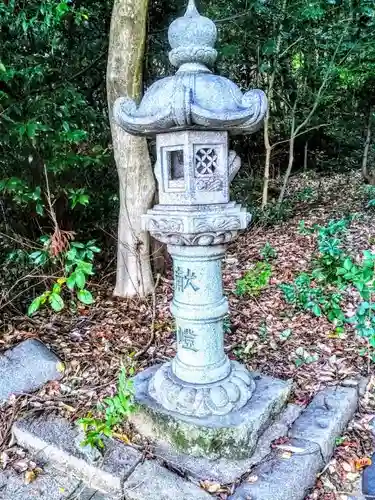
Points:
(192, 114)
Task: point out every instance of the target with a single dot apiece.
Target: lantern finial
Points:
(191, 9)
(192, 38)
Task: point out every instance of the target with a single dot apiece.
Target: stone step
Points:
(27, 367)
(51, 484)
(289, 476)
(121, 472)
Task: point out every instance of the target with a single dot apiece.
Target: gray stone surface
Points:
(326, 417)
(224, 470)
(368, 479)
(55, 441)
(279, 478)
(51, 484)
(151, 481)
(26, 368)
(232, 436)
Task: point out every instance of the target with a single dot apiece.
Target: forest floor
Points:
(266, 333)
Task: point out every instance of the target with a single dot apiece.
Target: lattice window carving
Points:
(205, 162)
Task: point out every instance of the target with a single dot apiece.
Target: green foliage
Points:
(316, 299)
(285, 334)
(268, 252)
(227, 325)
(273, 214)
(115, 410)
(321, 291)
(78, 267)
(54, 133)
(304, 357)
(254, 280)
(306, 194)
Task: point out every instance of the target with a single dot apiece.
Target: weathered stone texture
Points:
(49, 485)
(232, 436)
(153, 482)
(55, 440)
(225, 470)
(26, 368)
(281, 478)
(326, 417)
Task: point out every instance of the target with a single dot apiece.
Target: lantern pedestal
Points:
(200, 381)
(231, 436)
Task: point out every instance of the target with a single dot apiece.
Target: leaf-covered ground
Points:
(265, 332)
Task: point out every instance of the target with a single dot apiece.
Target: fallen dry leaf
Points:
(361, 463)
(210, 487)
(30, 476)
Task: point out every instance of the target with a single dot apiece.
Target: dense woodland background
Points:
(315, 59)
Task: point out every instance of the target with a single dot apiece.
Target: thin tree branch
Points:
(301, 133)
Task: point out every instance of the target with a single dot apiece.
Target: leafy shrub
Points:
(77, 262)
(303, 295)
(321, 292)
(115, 410)
(268, 252)
(254, 280)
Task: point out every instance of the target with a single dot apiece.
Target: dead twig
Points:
(152, 337)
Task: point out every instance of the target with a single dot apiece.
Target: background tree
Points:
(137, 185)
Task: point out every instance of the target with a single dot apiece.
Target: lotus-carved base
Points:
(202, 400)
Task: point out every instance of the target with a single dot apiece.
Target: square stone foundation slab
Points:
(231, 436)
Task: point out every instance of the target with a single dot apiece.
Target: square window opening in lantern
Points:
(175, 161)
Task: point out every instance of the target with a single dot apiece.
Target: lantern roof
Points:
(194, 98)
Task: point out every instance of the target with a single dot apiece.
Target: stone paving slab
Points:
(49, 485)
(151, 481)
(225, 470)
(27, 367)
(120, 471)
(279, 478)
(326, 417)
(58, 442)
(231, 436)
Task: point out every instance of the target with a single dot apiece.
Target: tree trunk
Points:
(266, 175)
(365, 173)
(137, 184)
(267, 145)
(291, 157)
(305, 156)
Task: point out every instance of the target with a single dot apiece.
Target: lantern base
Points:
(202, 400)
(233, 435)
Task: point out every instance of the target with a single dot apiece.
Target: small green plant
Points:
(306, 194)
(303, 295)
(115, 410)
(263, 330)
(369, 196)
(268, 252)
(254, 280)
(340, 440)
(334, 270)
(304, 357)
(285, 334)
(78, 267)
(274, 213)
(227, 326)
(364, 323)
